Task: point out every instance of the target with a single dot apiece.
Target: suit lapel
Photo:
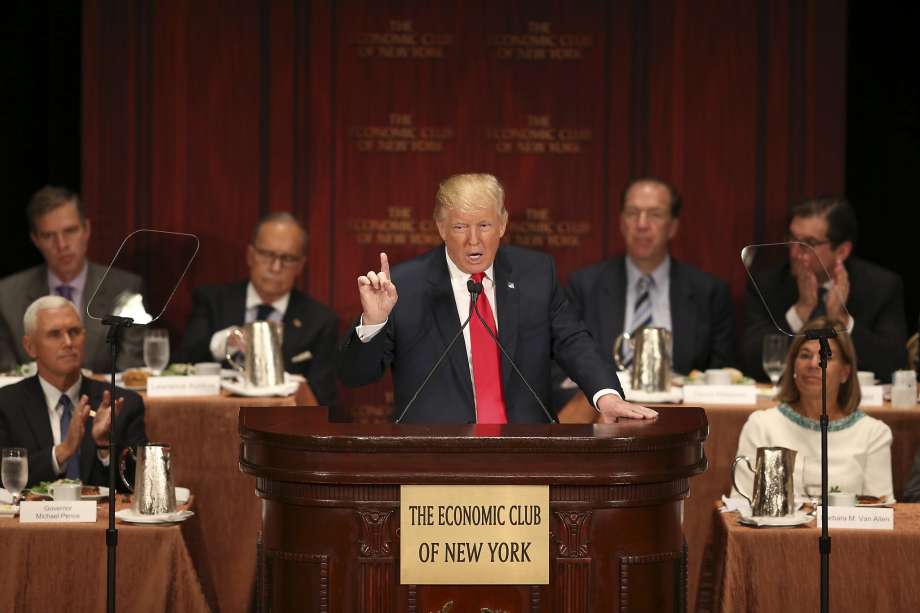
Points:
(613, 294)
(35, 410)
(95, 334)
(507, 299)
(446, 319)
(294, 327)
(233, 311)
(683, 316)
(37, 286)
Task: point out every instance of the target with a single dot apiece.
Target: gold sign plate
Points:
(474, 534)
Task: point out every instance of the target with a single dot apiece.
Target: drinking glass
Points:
(14, 470)
(811, 478)
(156, 349)
(774, 357)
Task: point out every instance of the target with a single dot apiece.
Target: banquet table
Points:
(203, 435)
(725, 423)
(62, 567)
(778, 569)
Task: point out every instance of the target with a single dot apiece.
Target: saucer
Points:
(129, 516)
(240, 389)
(796, 519)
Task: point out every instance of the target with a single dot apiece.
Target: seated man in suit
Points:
(60, 230)
(275, 259)
(534, 320)
(648, 287)
(798, 291)
(50, 414)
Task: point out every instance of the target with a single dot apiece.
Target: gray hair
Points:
(30, 319)
(281, 217)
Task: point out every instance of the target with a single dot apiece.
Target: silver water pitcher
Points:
(260, 344)
(154, 490)
(774, 488)
(651, 365)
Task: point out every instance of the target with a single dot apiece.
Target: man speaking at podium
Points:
(516, 287)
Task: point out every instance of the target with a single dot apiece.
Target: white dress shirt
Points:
(77, 284)
(52, 399)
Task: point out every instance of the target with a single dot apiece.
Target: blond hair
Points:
(469, 193)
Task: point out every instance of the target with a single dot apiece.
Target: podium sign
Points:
(474, 534)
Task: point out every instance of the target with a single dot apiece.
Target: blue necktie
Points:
(73, 464)
(264, 311)
(820, 309)
(65, 291)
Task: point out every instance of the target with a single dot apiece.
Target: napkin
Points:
(5, 497)
(731, 505)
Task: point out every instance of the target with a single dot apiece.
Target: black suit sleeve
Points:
(881, 344)
(912, 488)
(196, 344)
(723, 328)
(321, 367)
(365, 363)
(575, 349)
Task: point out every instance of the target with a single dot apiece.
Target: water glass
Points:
(773, 356)
(156, 349)
(14, 470)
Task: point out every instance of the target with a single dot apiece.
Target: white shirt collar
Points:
(660, 275)
(458, 276)
(253, 300)
(53, 394)
(78, 282)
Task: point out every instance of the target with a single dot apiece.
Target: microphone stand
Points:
(475, 289)
(117, 326)
(824, 541)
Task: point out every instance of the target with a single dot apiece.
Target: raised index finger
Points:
(384, 264)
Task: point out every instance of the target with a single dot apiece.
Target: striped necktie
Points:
(642, 313)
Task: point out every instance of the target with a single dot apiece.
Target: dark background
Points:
(40, 47)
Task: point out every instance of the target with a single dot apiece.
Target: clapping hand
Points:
(102, 422)
(807, 284)
(378, 294)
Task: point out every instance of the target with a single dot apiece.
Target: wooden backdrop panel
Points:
(203, 116)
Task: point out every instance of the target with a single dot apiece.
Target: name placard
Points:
(192, 385)
(474, 534)
(58, 512)
(720, 394)
(871, 396)
(859, 518)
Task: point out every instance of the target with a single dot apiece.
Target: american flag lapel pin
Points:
(510, 284)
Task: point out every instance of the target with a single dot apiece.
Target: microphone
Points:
(475, 289)
(552, 419)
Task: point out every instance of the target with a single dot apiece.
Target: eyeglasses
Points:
(655, 216)
(811, 242)
(269, 257)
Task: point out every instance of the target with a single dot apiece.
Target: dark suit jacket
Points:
(24, 423)
(912, 487)
(19, 290)
(535, 325)
(703, 328)
(876, 303)
(308, 326)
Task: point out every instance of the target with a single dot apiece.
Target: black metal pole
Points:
(113, 338)
(824, 541)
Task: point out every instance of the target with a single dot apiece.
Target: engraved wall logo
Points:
(539, 43)
(398, 228)
(400, 135)
(539, 137)
(401, 42)
(539, 230)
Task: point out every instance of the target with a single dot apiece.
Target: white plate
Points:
(796, 519)
(239, 389)
(129, 516)
(8, 510)
(103, 494)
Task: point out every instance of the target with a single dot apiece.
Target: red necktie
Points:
(490, 403)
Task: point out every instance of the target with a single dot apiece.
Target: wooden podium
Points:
(330, 509)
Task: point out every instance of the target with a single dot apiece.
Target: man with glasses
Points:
(866, 298)
(648, 287)
(275, 258)
(61, 232)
